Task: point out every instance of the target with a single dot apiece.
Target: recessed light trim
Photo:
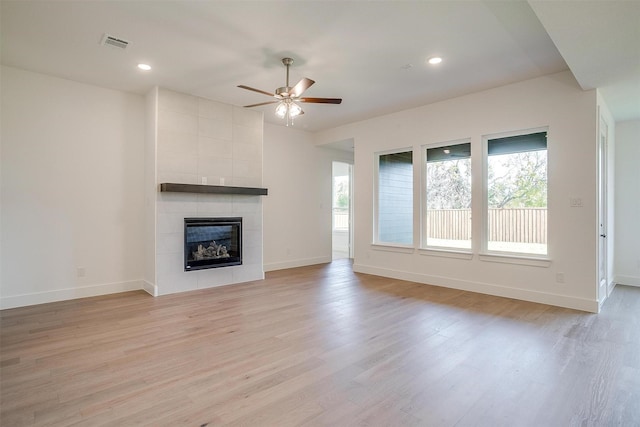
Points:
(434, 60)
(144, 67)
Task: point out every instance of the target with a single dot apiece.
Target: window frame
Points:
(425, 248)
(485, 254)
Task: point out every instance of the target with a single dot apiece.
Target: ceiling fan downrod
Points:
(285, 90)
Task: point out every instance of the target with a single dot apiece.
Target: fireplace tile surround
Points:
(195, 138)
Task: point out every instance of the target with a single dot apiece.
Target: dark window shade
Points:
(395, 198)
(518, 144)
(455, 152)
(404, 157)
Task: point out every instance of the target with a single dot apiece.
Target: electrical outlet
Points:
(81, 272)
(559, 277)
(575, 202)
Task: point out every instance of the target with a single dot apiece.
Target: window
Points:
(395, 198)
(447, 217)
(517, 194)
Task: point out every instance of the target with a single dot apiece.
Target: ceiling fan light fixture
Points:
(288, 110)
(294, 109)
(281, 109)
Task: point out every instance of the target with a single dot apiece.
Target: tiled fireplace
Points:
(198, 141)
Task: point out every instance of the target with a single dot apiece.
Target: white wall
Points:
(72, 189)
(297, 211)
(627, 242)
(554, 101)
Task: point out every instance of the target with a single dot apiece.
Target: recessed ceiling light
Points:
(435, 60)
(144, 67)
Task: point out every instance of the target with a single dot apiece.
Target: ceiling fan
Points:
(287, 96)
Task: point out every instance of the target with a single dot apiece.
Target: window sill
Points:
(516, 259)
(446, 253)
(392, 248)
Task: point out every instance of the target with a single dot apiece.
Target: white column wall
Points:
(150, 190)
(198, 138)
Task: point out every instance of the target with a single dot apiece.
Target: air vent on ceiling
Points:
(108, 40)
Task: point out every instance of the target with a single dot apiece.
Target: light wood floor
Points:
(320, 345)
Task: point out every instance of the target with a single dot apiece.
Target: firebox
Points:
(212, 243)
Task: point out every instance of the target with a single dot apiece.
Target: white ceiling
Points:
(371, 54)
(600, 41)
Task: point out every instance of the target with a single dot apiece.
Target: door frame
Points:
(603, 286)
(350, 249)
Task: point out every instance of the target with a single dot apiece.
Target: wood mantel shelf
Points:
(211, 189)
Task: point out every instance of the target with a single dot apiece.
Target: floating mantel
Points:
(211, 189)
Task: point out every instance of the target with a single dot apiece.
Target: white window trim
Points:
(515, 258)
(446, 253)
(506, 257)
(390, 247)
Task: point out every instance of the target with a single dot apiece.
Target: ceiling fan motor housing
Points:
(283, 91)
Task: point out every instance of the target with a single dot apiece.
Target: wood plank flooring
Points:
(320, 346)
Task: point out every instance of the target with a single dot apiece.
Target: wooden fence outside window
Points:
(522, 225)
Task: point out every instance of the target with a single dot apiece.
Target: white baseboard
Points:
(296, 263)
(627, 280)
(150, 288)
(611, 287)
(69, 293)
(484, 288)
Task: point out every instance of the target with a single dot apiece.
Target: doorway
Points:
(341, 210)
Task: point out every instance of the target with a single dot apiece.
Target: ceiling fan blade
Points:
(300, 87)
(262, 103)
(322, 100)
(256, 90)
